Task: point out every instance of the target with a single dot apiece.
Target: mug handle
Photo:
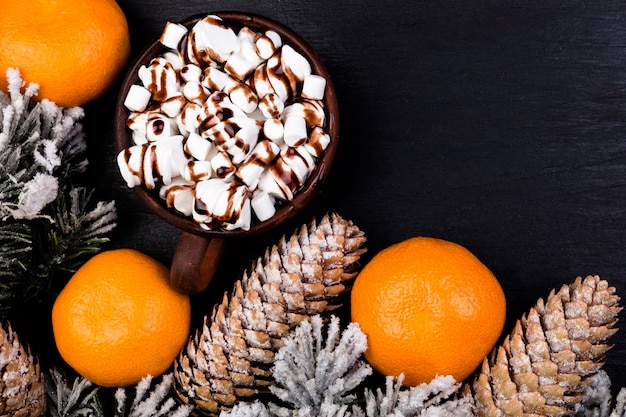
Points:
(195, 261)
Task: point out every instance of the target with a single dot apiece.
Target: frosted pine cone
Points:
(231, 356)
(543, 367)
(22, 390)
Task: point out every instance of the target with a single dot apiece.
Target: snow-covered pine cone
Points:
(230, 357)
(542, 367)
(22, 391)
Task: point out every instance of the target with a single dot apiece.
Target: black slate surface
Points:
(497, 125)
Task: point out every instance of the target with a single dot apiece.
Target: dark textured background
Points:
(498, 125)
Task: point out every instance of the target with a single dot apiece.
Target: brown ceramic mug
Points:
(199, 250)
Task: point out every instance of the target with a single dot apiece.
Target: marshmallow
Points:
(295, 133)
(179, 195)
(195, 92)
(197, 171)
(294, 63)
(173, 105)
(271, 106)
(278, 79)
(274, 130)
(241, 95)
(313, 87)
(222, 166)
(191, 72)
(267, 44)
(206, 194)
(169, 158)
(239, 67)
(261, 157)
(172, 34)
(199, 148)
(129, 161)
(175, 59)
(263, 205)
(149, 169)
(300, 165)
(159, 126)
(189, 118)
(214, 79)
(318, 142)
(137, 98)
(160, 78)
(213, 41)
(311, 110)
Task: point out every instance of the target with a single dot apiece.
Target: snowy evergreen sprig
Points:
(320, 366)
(318, 370)
(47, 224)
(151, 398)
(598, 399)
(433, 399)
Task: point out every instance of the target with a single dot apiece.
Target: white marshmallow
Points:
(271, 106)
(239, 67)
(241, 95)
(263, 205)
(294, 62)
(277, 78)
(195, 92)
(160, 78)
(267, 44)
(130, 165)
(172, 34)
(206, 194)
(179, 195)
(137, 98)
(159, 126)
(214, 79)
(139, 137)
(313, 87)
(311, 110)
(148, 165)
(189, 118)
(295, 131)
(269, 184)
(170, 158)
(222, 166)
(259, 159)
(199, 147)
(197, 170)
(318, 142)
(213, 40)
(173, 105)
(175, 59)
(274, 130)
(191, 72)
(249, 172)
(298, 164)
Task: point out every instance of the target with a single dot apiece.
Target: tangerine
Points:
(118, 319)
(429, 307)
(74, 50)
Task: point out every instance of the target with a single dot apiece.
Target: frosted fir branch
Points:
(598, 400)
(428, 399)
(318, 365)
(42, 149)
(79, 399)
(150, 400)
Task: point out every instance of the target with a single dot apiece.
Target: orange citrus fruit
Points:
(74, 50)
(118, 319)
(429, 307)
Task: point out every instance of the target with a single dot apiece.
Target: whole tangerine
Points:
(118, 319)
(429, 307)
(74, 50)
